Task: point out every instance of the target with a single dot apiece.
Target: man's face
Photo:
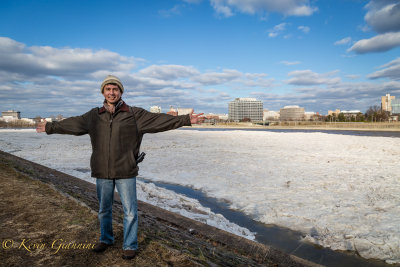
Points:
(112, 94)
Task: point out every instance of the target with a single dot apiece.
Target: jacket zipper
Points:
(109, 146)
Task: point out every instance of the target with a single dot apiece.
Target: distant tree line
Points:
(373, 114)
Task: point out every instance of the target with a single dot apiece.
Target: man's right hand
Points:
(41, 127)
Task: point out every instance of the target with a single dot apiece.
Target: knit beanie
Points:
(112, 79)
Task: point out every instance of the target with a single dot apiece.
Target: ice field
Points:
(341, 191)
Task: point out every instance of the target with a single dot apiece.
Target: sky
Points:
(317, 54)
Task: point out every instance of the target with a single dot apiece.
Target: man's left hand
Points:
(196, 119)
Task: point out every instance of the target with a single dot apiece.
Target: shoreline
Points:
(327, 127)
(176, 235)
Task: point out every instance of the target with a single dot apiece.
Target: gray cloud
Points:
(213, 78)
(168, 72)
(390, 70)
(308, 77)
(383, 15)
(46, 80)
(227, 8)
(379, 43)
(65, 62)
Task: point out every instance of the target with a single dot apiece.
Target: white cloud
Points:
(308, 77)
(343, 41)
(290, 63)
(221, 8)
(390, 70)
(287, 7)
(173, 11)
(278, 29)
(379, 43)
(304, 29)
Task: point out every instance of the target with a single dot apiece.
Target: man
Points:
(116, 131)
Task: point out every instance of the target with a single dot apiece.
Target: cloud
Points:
(168, 72)
(353, 76)
(213, 78)
(227, 8)
(15, 57)
(383, 15)
(278, 29)
(304, 29)
(379, 43)
(384, 18)
(290, 63)
(44, 80)
(390, 70)
(343, 41)
(308, 77)
(173, 11)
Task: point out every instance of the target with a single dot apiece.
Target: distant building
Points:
(214, 118)
(172, 111)
(245, 108)
(270, 115)
(185, 111)
(155, 109)
(386, 104)
(10, 115)
(334, 112)
(292, 113)
(396, 106)
(310, 116)
(350, 113)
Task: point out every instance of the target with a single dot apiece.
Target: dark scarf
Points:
(112, 109)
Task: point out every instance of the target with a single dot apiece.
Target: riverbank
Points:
(46, 212)
(303, 125)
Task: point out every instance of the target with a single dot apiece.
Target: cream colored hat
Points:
(112, 79)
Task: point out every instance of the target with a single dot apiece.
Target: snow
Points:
(341, 191)
(71, 155)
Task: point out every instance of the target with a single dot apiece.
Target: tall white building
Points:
(245, 108)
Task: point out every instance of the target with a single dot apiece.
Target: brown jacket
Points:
(114, 138)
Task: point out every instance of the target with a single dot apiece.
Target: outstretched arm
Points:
(41, 127)
(196, 119)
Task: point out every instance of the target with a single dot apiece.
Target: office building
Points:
(10, 115)
(396, 106)
(292, 113)
(245, 108)
(386, 104)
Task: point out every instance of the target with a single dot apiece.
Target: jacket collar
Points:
(124, 107)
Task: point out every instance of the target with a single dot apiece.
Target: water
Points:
(342, 132)
(281, 238)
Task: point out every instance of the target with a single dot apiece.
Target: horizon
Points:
(198, 53)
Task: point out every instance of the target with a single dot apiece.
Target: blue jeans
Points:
(127, 192)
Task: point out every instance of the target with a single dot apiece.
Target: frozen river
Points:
(340, 191)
